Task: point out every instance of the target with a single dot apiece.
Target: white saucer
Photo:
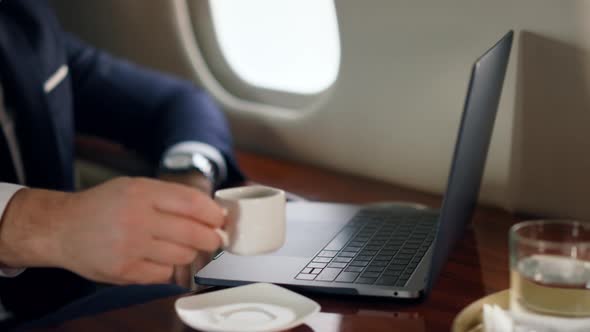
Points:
(257, 307)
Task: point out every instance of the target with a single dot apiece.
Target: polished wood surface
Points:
(478, 265)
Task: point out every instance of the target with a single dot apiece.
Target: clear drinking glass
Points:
(550, 266)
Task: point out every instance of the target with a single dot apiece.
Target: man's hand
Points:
(183, 274)
(124, 231)
(192, 179)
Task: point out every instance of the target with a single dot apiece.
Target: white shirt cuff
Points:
(7, 190)
(10, 273)
(207, 151)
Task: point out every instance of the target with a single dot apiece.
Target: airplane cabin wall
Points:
(394, 110)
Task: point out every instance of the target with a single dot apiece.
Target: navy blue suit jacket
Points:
(102, 96)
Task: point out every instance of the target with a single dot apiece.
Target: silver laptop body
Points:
(389, 251)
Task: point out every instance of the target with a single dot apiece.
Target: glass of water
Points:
(550, 267)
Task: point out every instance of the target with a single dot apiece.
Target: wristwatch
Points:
(182, 162)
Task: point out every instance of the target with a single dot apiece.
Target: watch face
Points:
(178, 161)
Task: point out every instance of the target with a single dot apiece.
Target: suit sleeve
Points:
(144, 110)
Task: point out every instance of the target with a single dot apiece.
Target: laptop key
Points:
(328, 274)
(363, 280)
(364, 258)
(359, 263)
(354, 269)
(392, 273)
(370, 274)
(387, 281)
(304, 276)
(379, 263)
(402, 256)
(375, 268)
(369, 252)
(383, 237)
(317, 265)
(306, 270)
(352, 249)
(338, 265)
(342, 259)
(346, 254)
(347, 276)
(383, 258)
(328, 253)
(321, 260)
(341, 239)
(316, 271)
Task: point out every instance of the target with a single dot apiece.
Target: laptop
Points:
(391, 251)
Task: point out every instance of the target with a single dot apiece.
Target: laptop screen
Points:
(471, 149)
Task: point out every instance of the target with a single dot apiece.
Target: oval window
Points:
(291, 46)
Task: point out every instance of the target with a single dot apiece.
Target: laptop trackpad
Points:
(306, 238)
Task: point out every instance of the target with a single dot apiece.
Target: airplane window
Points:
(284, 45)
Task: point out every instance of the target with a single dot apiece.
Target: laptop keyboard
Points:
(375, 247)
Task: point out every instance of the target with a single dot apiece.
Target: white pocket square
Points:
(56, 78)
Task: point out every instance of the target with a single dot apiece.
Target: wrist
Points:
(186, 164)
(29, 229)
(191, 178)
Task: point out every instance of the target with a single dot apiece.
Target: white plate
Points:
(257, 307)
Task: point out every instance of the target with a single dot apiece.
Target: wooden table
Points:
(477, 266)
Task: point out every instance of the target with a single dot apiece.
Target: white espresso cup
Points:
(255, 222)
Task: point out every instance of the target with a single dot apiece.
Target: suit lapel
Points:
(22, 71)
(8, 171)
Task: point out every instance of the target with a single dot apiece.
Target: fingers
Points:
(183, 276)
(223, 236)
(189, 203)
(146, 272)
(185, 232)
(168, 253)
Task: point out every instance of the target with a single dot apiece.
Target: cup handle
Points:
(224, 237)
